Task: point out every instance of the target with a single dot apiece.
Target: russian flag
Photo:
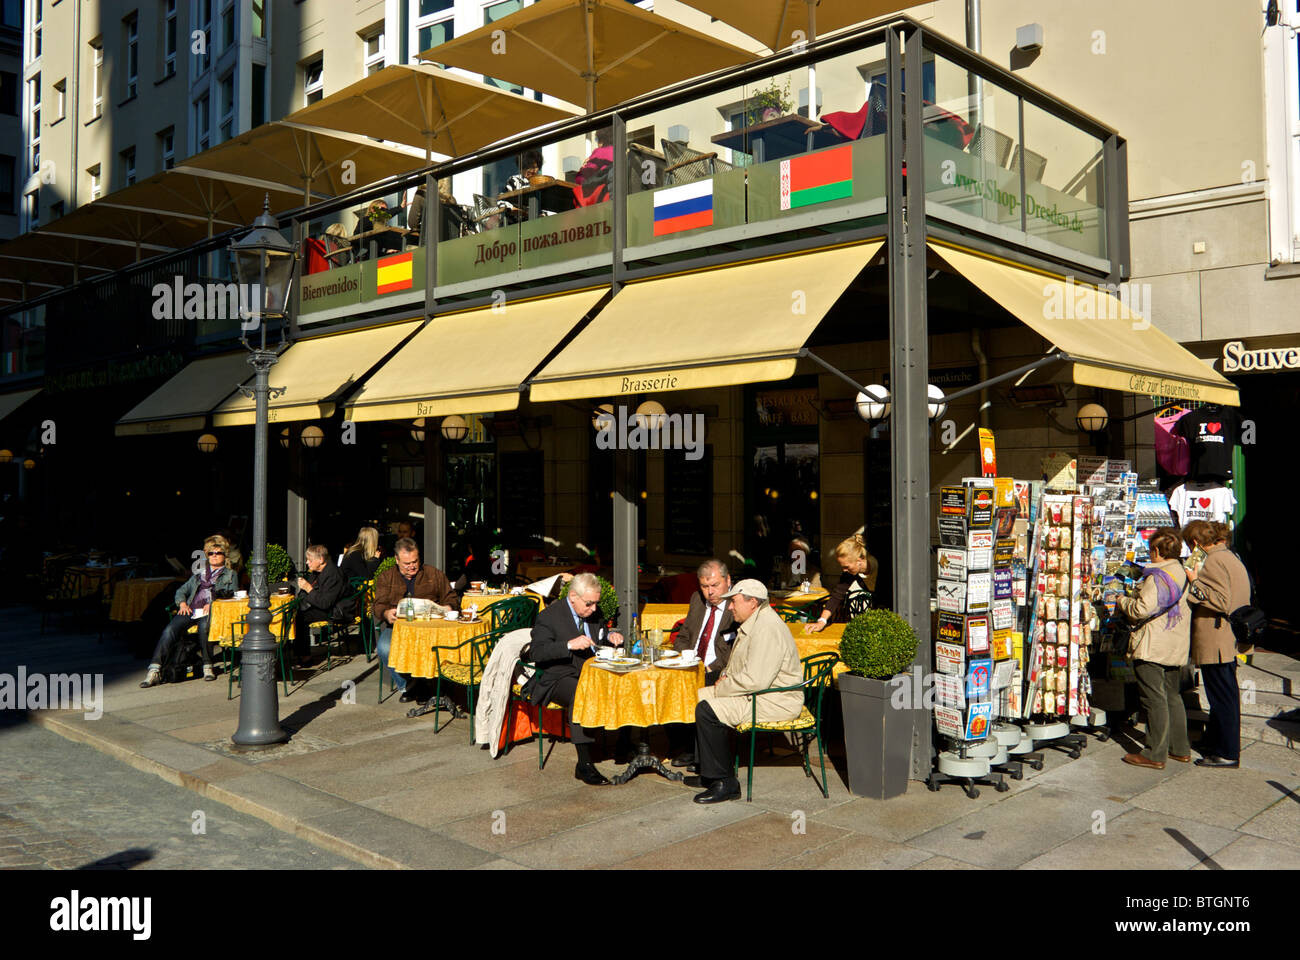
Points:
(684, 208)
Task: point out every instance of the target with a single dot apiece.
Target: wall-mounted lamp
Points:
(207, 443)
(1092, 418)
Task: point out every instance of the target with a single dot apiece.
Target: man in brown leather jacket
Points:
(410, 578)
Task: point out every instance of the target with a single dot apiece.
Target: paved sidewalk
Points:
(363, 781)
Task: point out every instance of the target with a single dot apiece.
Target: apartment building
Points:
(11, 127)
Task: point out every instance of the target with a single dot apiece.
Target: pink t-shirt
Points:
(1171, 449)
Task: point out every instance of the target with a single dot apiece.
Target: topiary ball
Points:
(608, 605)
(278, 564)
(878, 644)
(384, 564)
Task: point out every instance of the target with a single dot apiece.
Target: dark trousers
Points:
(681, 738)
(715, 744)
(1166, 717)
(302, 621)
(175, 630)
(562, 693)
(1223, 730)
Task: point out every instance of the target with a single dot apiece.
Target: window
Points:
(34, 122)
(131, 29)
(226, 106)
(313, 80)
(32, 209)
(433, 23)
(259, 19)
(8, 93)
(202, 124)
(372, 50)
(97, 78)
(491, 14)
(128, 166)
(60, 99)
(259, 94)
(36, 30)
(169, 38)
(8, 184)
(228, 25)
(167, 149)
(203, 23)
(96, 182)
(11, 14)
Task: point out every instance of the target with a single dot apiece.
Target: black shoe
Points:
(1210, 760)
(720, 792)
(407, 696)
(684, 760)
(698, 783)
(588, 774)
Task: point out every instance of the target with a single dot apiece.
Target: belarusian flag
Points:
(817, 177)
(394, 273)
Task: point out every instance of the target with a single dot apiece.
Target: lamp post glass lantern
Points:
(263, 262)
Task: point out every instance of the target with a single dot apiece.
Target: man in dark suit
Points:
(709, 629)
(565, 635)
(318, 594)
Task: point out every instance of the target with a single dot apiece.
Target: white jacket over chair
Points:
(494, 693)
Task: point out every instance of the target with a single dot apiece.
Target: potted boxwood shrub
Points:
(278, 567)
(608, 605)
(877, 646)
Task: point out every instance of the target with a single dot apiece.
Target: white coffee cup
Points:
(451, 614)
(689, 656)
(241, 594)
(605, 653)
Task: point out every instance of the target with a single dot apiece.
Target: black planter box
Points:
(877, 738)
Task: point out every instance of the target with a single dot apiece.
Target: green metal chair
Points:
(792, 614)
(467, 675)
(228, 654)
(512, 614)
(343, 628)
(517, 696)
(816, 678)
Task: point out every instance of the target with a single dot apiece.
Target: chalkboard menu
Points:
(688, 503)
(523, 487)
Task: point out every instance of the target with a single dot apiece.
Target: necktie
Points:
(703, 648)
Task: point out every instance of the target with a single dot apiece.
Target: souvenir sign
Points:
(977, 677)
(988, 454)
(981, 504)
(1092, 469)
(1001, 646)
(1059, 471)
(952, 501)
(977, 634)
(1115, 470)
(977, 721)
(950, 658)
(948, 722)
(1004, 614)
(951, 628)
(948, 692)
(952, 596)
(1002, 674)
(979, 592)
(952, 564)
(979, 550)
(952, 531)
(1002, 584)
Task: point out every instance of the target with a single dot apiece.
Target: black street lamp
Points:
(263, 262)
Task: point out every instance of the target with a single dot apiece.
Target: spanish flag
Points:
(394, 273)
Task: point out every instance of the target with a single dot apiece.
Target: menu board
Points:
(688, 503)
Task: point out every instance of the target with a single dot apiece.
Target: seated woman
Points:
(361, 556)
(530, 165)
(852, 595)
(193, 603)
(597, 170)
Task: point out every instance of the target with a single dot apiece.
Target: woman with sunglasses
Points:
(193, 600)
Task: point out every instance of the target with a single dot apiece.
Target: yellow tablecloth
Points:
(94, 580)
(226, 612)
(798, 599)
(413, 641)
(642, 698)
(132, 597)
(662, 616)
(825, 641)
(485, 600)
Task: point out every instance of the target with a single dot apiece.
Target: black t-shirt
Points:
(1211, 432)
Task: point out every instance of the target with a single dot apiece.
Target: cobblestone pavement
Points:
(66, 806)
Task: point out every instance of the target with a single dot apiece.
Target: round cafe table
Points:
(225, 612)
(485, 600)
(795, 598)
(643, 697)
(411, 650)
(824, 641)
(132, 597)
(662, 616)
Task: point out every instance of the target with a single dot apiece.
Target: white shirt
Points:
(711, 654)
(1202, 501)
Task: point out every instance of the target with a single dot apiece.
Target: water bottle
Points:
(636, 640)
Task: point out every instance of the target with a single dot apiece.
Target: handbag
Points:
(1248, 622)
(1124, 629)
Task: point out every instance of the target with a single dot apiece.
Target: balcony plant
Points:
(768, 103)
(878, 646)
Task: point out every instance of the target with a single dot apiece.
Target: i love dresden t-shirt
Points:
(1210, 434)
(1202, 501)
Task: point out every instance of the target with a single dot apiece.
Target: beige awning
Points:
(314, 372)
(781, 23)
(184, 402)
(429, 108)
(10, 402)
(1107, 344)
(427, 378)
(584, 50)
(712, 328)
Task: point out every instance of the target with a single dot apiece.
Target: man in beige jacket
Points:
(763, 656)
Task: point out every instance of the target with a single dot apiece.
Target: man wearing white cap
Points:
(763, 656)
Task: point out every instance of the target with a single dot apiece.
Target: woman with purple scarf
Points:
(1159, 647)
(215, 579)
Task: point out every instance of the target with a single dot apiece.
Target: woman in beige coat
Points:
(1220, 586)
(1158, 648)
